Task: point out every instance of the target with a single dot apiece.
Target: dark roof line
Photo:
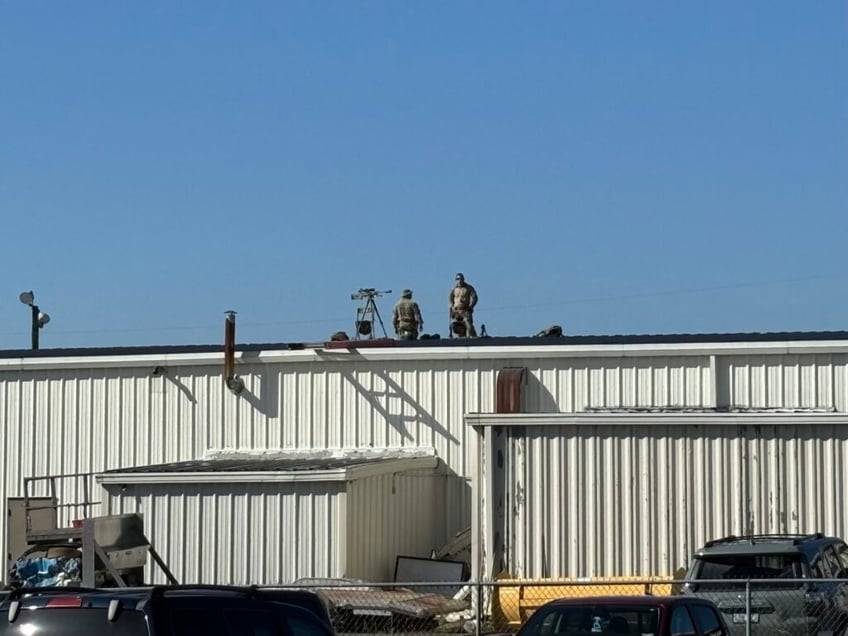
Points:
(247, 464)
(684, 338)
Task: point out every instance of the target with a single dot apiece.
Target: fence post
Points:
(478, 613)
(748, 607)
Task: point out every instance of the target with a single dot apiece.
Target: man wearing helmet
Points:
(406, 317)
(461, 302)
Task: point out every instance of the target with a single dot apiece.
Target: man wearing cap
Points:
(461, 302)
(406, 317)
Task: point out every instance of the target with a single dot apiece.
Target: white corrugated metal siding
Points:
(574, 385)
(791, 381)
(242, 533)
(639, 499)
(390, 515)
(89, 414)
(61, 421)
(273, 532)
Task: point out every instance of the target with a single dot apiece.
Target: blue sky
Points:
(612, 167)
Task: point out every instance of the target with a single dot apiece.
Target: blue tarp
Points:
(46, 571)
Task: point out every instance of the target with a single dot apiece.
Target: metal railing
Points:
(74, 487)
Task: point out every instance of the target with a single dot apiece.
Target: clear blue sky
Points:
(613, 167)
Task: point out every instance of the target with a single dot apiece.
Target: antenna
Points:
(368, 313)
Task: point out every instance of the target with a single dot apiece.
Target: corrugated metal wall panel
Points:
(793, 381)
(67, 421)
(241, 533)
(638, 500)
(391, 515)
(576, 384)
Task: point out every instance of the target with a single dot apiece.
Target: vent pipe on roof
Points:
(233, 382)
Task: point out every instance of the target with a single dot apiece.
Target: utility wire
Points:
(179, 328)
(573, 301)
(671, 292)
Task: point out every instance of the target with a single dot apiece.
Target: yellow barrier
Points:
(515, 600)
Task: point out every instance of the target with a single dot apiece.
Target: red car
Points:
(634, 615)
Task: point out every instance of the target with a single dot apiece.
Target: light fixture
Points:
(39, 318)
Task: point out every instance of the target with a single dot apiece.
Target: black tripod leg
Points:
(380, 319)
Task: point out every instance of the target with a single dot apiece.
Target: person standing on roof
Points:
(406, 317)
(461, 302)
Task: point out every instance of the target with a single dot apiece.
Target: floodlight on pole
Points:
(39, 318)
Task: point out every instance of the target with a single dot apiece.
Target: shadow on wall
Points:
(535, 396)
(393, 403)
(267, 401)
(401, 419)
(183, 388)
(455, 513)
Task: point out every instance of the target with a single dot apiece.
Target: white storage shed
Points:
(243, 518)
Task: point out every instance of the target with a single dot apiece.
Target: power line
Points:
(573, 301)
(672, 292)
(176, 328)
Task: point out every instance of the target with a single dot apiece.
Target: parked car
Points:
(311, 600)
(160, 611)
(782, 599)
(620, 615)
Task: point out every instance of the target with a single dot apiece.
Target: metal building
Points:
(635, 494)
(331, 516)
(569, 455)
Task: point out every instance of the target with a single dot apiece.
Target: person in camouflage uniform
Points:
(406, 317)
(461, 302)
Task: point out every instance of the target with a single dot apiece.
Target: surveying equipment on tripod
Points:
(368, 313)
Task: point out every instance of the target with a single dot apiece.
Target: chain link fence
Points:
(788, 607)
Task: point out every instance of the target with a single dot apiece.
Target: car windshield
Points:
(749, 566)
(590, 619)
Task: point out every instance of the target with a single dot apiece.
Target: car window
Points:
(74, 622)
(707, 620)
(301, 626)
(236, 622)
(558, 620)
(749, 566)
(246, 622)
(681, 622)
(306, 618)
(599, 619)
(196, 621)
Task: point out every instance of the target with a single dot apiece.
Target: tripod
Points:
(368, 313)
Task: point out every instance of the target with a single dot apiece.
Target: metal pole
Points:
(88, 553)
(748, 607)
(229, 345)
(34, 327)
(478, 617)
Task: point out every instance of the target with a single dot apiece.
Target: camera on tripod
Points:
(368, 292)
(368, 314)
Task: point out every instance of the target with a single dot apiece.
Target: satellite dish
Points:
(27, 298)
